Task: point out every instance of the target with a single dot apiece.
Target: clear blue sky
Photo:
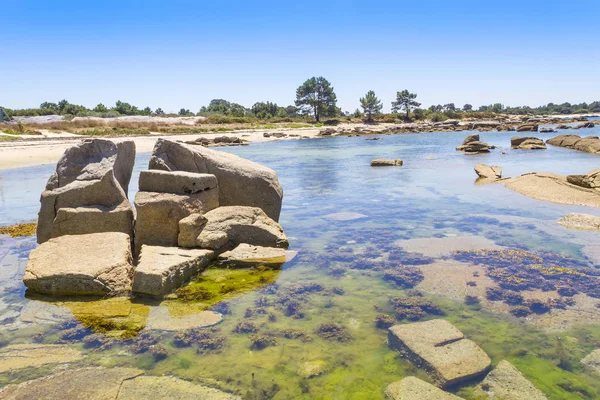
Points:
(174, 54)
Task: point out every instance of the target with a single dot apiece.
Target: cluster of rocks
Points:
(527, 143)
(587, 124)
(449, 358)
(193, 204)
(219, 141)
(591, 180)
(472, 145)
(589, 144)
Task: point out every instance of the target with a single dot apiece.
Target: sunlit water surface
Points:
(432, 196)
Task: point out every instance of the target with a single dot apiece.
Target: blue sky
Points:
(174, 54)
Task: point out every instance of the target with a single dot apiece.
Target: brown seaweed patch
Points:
(19, 230)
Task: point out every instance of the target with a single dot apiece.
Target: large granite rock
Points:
(158, 215)
(508, 383)
(411, 388)
(591, 180)
(161, 270)
(91, 264)
(384, 162)
(472, 145)
(80, 384)
(527, 143)
(19, 356)
(241, 182)
(94, 173)
(471, 138)
(441, 349)
(177, 182)
(248, 255)
(590, 144)
(227, 227)
(488, 171)
(580, 221)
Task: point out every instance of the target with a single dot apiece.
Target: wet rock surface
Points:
(248, 255)
(19, 356)
(592, 360)
(580, 221)
(508, 383)
(411, 388)
(440, 349)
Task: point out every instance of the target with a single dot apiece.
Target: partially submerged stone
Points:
(488, 171)
(241, 182)
(345, 216)
(161, 270)
(441, 349)
(384, 162)
(590, 144)
(168, 387)
(158, 215)
(527, 128)
(95, 172)
(508, 383)
(227, 227)
(411, 388)
(580, 221)
(248, 255)
(590, 180)
(161, 319)
(19, 356)
(475, 147)
(592, 360)
(527, 143)
(92, 264)
(177, 182)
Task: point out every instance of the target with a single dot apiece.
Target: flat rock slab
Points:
(168, 387)
(20, 356)
(345, 216)
(93, 264)
(177, 182)
(580, 221)
(441, 349)
(160, 319)
(411, 388)
(163, 269)
(554, 188)
(592, 360)
(508, 383)
(246, 254)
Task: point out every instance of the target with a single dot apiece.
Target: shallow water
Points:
(432, 196)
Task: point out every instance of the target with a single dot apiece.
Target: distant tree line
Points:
(315, 99)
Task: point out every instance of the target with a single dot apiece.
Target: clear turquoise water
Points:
(432, 195)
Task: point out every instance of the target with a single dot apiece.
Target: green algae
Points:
(19, 230)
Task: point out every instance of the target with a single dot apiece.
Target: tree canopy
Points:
(316, 97)
(405, 101)
(371, 105)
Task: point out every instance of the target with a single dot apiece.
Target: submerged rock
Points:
(161, 319)
(248, 255)
(93, 264)
(241, 182)
(94, 173)
(168, 387)
(508, 383)
(580, 221)
(592, 360)
(411, 388)
(161, 270)
(19, 356)
(384, 162)
(227, 227)
(440, 349)
(488, 171)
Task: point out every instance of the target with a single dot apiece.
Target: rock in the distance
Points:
(384, 162)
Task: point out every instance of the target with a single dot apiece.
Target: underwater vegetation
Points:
(413, 308)
(19, 230)
(205, 339)
(404, 277)
(335, 332)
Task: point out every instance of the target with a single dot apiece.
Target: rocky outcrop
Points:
(241, 182)
(227, 227)
(92, 264)
(508, 383)
(91, 181)
(590, 144)
(110, 383)
(384, 162)
(249, 255)
(527, 143)
(591, 180)
(527, 128)
(587, 124)
(472, 145)
(555, 188)
(440, 349)
(161, 270)
(580, 221)
(547, 130)
(488, 171)
(411, 388)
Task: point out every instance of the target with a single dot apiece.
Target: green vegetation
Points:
(405, 101)
(114, 132)
(316, 97)
(371, 105)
